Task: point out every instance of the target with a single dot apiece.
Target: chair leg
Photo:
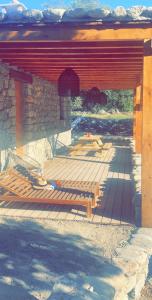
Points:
(89, 210)
(94, 202)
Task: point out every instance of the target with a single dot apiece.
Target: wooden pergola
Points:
(107, 56)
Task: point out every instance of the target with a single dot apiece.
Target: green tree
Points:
(121, 99)
(95, 96)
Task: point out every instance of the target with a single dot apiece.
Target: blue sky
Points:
(61, 3)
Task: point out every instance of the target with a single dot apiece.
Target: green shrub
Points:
(97, 108)
(77, 103)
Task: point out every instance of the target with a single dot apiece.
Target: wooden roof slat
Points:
(94, 83)
(84, 69)
(70, 51)
(71, 44)
(120, 78)
(97, 78)
(102, 75)
(109, 87)
(71, 56)
(98, 72)
(81, 67)
(77, 64)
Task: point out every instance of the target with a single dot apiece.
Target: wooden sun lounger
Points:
(107, 146)
(70, 193)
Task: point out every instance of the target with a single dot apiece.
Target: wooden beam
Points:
(78, 32)
(138, 119)
(147, 142)
(21, 76)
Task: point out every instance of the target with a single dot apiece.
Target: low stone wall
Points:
(133, 262)
(136, 175)
(41, 117)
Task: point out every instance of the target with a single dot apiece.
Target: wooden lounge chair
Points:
(107, 146)
(17, 187)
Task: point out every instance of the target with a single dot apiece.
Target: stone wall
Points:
(7, 112)
(42, 124)
(7, 109)
(41, 117)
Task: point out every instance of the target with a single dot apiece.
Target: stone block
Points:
(8, 103)
(1, 105)
(4, 93)
(12, 130)
(1, 84)
(30, 114)
(11, 83)
(4, 70)
(142, 241)
(3, 115)
(140, 282)
(11, 92)
(12, 111)
(13, 100)
(29, 121)
(30, 99)
(6, 84)
(12, 122)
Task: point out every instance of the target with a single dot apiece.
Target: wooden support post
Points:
(138, 119)
(134, 116)
(147, 138)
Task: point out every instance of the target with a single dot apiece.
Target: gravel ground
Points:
(35, 254)
(104, 237)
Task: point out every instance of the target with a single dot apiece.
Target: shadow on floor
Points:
(117, 200)
(33, 259)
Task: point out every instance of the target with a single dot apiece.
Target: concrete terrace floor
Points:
(112, 170)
